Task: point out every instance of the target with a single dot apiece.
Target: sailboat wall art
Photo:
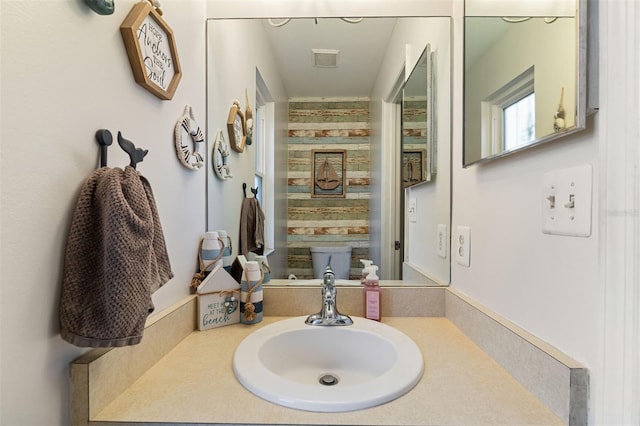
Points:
(328, 174)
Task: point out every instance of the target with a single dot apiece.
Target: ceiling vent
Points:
(325, 58)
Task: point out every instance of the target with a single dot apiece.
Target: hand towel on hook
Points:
(116, 257)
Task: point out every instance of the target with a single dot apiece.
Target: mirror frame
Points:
(428, 162)
(581, 85)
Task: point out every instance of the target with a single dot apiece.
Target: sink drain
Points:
(328, 380)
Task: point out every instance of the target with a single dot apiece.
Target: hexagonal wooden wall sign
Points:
(151, 49)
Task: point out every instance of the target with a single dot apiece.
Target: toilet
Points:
(340, 261)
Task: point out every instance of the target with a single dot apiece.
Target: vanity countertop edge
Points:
(185, 376)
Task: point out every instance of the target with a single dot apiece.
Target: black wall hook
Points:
(135, 154)
(254, 191)
(104, 138)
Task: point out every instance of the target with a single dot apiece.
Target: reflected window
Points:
(260, 136)
(264, 146)
(520, 122)
(508, 115)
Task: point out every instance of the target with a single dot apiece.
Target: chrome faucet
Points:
(329, 314)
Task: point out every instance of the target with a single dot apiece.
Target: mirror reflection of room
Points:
(319, 91)
(521, 78)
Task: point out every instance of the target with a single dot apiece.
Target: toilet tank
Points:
(340, 261)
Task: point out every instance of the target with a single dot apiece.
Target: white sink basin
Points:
(328, 368)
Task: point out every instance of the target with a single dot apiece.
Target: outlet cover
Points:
(442, 240)
(413, 214)
(463, 246)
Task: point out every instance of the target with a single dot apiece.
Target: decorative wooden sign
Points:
(328, 173)
(218, 298)
(151, 49)
(236, 127)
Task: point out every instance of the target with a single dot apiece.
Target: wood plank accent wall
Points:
(323, 123)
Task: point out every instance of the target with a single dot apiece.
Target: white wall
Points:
(244, 41)
(65, 74)
(562, 289)
(433, 200)
(410, 37)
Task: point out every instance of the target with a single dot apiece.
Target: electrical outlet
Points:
(463, 246)
(442, 240)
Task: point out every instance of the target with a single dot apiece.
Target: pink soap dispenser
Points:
(372, 302)
(365, 270)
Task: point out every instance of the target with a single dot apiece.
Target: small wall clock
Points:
(151, 49)
(236, 127)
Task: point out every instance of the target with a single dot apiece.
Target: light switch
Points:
(462, 246)
(413, 214)
(566, 201)
(442, 240)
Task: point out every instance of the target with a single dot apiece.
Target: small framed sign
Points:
(218, 300)
(236, 127)
(413, 167)
(151, 49)
(328, 173)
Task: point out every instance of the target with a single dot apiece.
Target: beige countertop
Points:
(461, 385)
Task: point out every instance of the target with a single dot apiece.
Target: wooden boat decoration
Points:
(326, 177)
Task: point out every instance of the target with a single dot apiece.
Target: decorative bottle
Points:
(227, 260)
(211, 250)
(372, 302)
(251, 293)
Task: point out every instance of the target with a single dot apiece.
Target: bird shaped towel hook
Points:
(254, 191)
(135, 154)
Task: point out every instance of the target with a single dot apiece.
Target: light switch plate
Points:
(566, 201)
(442, 240)
(413, 214)
(463, 246)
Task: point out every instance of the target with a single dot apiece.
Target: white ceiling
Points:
(361, 47)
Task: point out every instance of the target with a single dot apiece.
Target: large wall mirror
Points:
(524, 75)
(319, 89)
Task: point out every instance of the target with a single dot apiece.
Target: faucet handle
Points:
(329, 277)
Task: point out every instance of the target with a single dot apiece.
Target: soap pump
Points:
(372, 302)
(365, 271)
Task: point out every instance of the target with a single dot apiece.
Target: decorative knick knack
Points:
(227, 259)
(251, 294)
(558, 118)
(248, 116)
(209, 256)
(264, 265)
(212, 250)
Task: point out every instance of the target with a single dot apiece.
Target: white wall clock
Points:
(220, 156)
(236, 127)
(189, 154)
(151, 49)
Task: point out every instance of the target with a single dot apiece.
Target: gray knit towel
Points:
(251, 226)
(116, 257)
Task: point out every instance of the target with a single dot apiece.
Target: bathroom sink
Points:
(328, 368)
